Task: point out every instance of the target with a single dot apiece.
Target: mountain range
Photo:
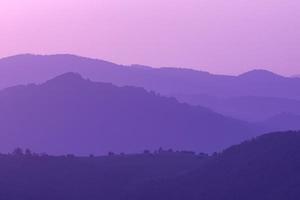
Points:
(71, 114)
(202, 135)
(253, 96)
(28, 68)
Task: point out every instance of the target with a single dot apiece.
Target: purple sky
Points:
(220, 36)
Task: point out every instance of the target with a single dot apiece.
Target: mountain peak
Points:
(259, 74)
(67, 78)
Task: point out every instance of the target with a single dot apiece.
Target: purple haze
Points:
(218, 36)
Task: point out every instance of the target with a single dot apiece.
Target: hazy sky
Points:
(220, 36)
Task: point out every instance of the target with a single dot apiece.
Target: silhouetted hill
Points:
(168, 81)
(71, 114)
(33, 177)
(266, 168)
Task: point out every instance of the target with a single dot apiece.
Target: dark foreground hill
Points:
(266, 168)
(71, 114)
(33, 177)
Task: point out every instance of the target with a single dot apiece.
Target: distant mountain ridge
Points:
(265, 93)
(248, 108)
(27, 68)
(282, 122)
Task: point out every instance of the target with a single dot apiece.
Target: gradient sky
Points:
(220, 36)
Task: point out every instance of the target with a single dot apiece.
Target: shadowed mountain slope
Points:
(71, 114)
